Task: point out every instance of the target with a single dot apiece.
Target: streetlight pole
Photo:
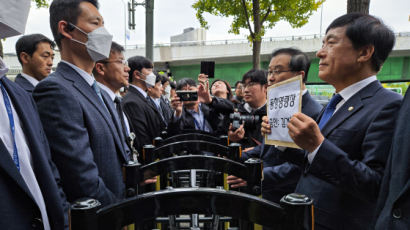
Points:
(321, 17)
(125, 23)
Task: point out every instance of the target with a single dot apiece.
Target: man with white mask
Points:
(79, 118)
(144, 117)
(29, 191)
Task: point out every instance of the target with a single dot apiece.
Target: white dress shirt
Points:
(25, 160)
(87, 77)
(31, 79)
(112, 96)
(346, 94)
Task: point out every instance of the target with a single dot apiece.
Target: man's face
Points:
(239, 90)
(115, 72)
(144, 73)
(279, 69)
(190, 88)
(156, 91)
(89, 20)
(254, 93)
(338, 58)
(40, 63)
(164, 86)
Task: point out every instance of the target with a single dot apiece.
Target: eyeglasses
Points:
(122, 61)
(277, 72)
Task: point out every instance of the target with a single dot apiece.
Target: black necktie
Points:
(117, 102)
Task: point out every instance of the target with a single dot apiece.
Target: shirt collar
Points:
(140, 90)
(108, 90)
(87, 77)
(3, 68)
(249, 109)
(351, 90)
(157, 101)
(31, 79)
(304, 92)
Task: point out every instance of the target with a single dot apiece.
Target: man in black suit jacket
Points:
(144, 118)
(207, 113)
(345, 155)
(280, 176)
(393, 206)
(79, 118)
(29, 181)
(35, 54)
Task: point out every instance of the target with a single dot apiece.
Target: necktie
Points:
(117, 102)
(11, 122)
(330, 109)
(97, 90)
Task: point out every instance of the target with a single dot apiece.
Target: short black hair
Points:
(184, 82)
(236, 84)
(67, 10)
(116, 48)
(138, 63)
(255, 75)
(158, 77)
(299, 61)
(172, 84)
(28, 44)
(164, 79)
(363, 30)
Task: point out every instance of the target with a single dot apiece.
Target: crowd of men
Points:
(65, 135)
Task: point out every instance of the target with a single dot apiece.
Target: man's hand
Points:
(305, 132)
(265, 126)
(203, 89)
(235, 182)
(176, 104)
(236, 135)
(149, 181)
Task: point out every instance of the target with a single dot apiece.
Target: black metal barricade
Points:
(294, 213)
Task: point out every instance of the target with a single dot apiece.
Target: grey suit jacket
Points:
(84, 139)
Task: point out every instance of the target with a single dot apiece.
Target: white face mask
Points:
(150, 80)
(98, 43)
(13, 17)
(168, 92)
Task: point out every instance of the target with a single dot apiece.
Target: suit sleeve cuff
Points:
(312, 155)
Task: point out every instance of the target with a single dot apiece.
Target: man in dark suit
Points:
(206, 114)
(144, 118)
(346, 152)
(29, 181)
(35, 54)
(79, 118)
(393, 206)
(280, 176)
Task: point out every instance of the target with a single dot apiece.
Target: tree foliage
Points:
(257, 15)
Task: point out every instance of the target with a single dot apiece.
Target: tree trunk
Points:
(256, 50)
(361, 6)
(256, 43)
(1, 49)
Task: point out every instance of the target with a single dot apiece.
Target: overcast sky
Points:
(172, 16)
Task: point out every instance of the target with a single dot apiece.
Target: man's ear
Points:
(99, 68)
(64, 29)
(365, 53)
(25, 58)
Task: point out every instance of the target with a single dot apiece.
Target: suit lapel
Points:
(119, 138)
(6, 161)
(350, 107)
(26, 85)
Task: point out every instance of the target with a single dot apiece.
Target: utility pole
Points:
(149, 24)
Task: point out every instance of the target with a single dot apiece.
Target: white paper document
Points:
(284, 100)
